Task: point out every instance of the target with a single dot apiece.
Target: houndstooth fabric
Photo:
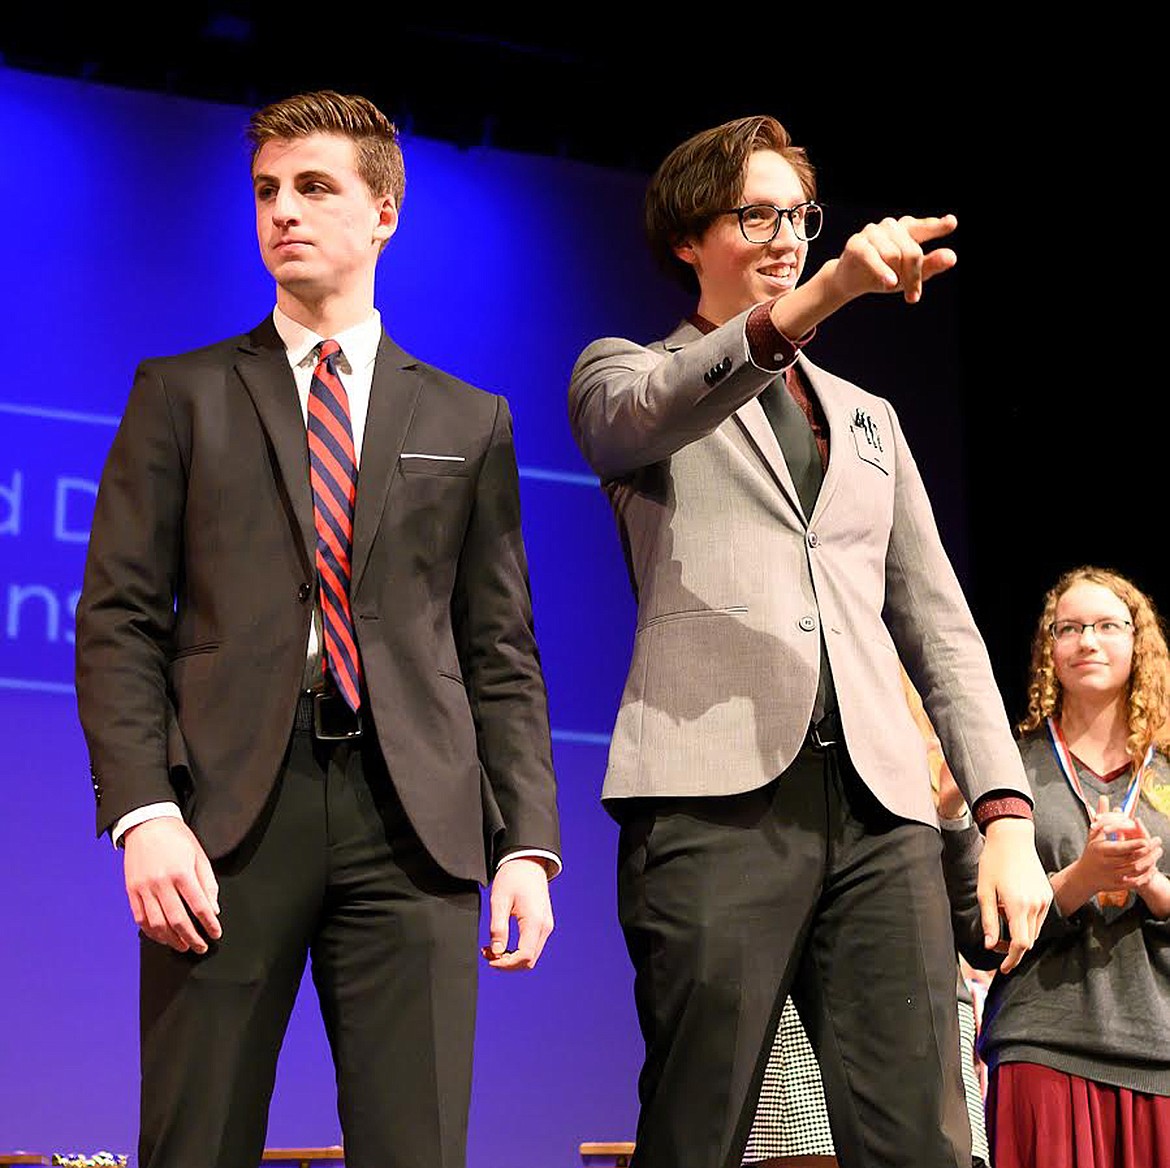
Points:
(791, 1116)
(971, 1085)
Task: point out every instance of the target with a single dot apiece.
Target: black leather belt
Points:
(325, 715)
(825, 733)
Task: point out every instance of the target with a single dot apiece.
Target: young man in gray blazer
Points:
(778, 831)
(309, 683)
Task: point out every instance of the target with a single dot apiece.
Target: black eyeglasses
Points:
(1071, 630)
(761, 222)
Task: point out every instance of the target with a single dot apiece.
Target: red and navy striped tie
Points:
(333, 472)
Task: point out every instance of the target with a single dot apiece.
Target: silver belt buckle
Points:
(333, 720)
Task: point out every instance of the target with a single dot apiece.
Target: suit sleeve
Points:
(940, 645)
(495, 636)
(631, 406)
(125, 616)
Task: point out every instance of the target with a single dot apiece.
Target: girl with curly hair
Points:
(1077, 1037)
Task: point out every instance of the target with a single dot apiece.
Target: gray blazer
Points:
(735, 585)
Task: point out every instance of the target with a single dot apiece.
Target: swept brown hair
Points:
(377, 153)
(705, 175)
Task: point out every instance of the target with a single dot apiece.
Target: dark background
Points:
(573, 84)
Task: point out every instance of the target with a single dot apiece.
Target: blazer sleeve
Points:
(631, 406)
(940, 645)
(126, 612)
(496, 640)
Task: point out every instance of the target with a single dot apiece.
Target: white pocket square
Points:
(437, 457)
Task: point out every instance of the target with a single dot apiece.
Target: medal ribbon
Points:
(1068, 767)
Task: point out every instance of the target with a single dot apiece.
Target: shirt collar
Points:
(359, 343)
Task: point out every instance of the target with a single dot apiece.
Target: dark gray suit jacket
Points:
(199, 588)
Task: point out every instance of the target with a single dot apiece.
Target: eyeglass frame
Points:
(782, 213)
(1105, 620)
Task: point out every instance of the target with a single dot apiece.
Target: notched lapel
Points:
(394, 395)
(264, 369)
(751, 418)
(759, 430)
(837, 422)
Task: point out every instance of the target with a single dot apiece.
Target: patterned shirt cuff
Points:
(768, 348)
(996, 806)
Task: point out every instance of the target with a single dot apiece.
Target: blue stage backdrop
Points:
(129, 233)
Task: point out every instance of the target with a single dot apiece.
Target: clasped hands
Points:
(1120, 854)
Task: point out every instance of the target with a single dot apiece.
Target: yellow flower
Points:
(1158, 796)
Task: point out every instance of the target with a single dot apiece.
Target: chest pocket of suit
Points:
(429, 505)
(868, 444)
(443, 467)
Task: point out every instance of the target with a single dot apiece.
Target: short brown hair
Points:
(705, 175)
(374, 135)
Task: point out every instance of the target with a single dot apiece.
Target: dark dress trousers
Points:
(191, 641)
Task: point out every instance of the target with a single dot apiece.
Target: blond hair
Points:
(1148, 690)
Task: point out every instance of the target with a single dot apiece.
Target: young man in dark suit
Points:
(310, 687)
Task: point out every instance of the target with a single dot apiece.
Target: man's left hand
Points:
(520, 890)
(1012, 880)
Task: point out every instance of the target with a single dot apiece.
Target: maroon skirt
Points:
(1041, 1118)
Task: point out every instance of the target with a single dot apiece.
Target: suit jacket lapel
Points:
(836, 421)
(751, 417)
(394, 395)
(264, 369)
(759, 430)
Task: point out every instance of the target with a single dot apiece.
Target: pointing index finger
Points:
(931, 227)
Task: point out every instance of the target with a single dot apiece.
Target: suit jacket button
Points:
(808, 623)
(717, 372)
(813, 539)
(304, 592)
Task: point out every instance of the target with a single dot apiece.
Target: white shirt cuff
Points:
(553, 867)
(141, 815)
(961, 824)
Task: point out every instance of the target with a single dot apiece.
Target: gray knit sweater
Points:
(1092, 998)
